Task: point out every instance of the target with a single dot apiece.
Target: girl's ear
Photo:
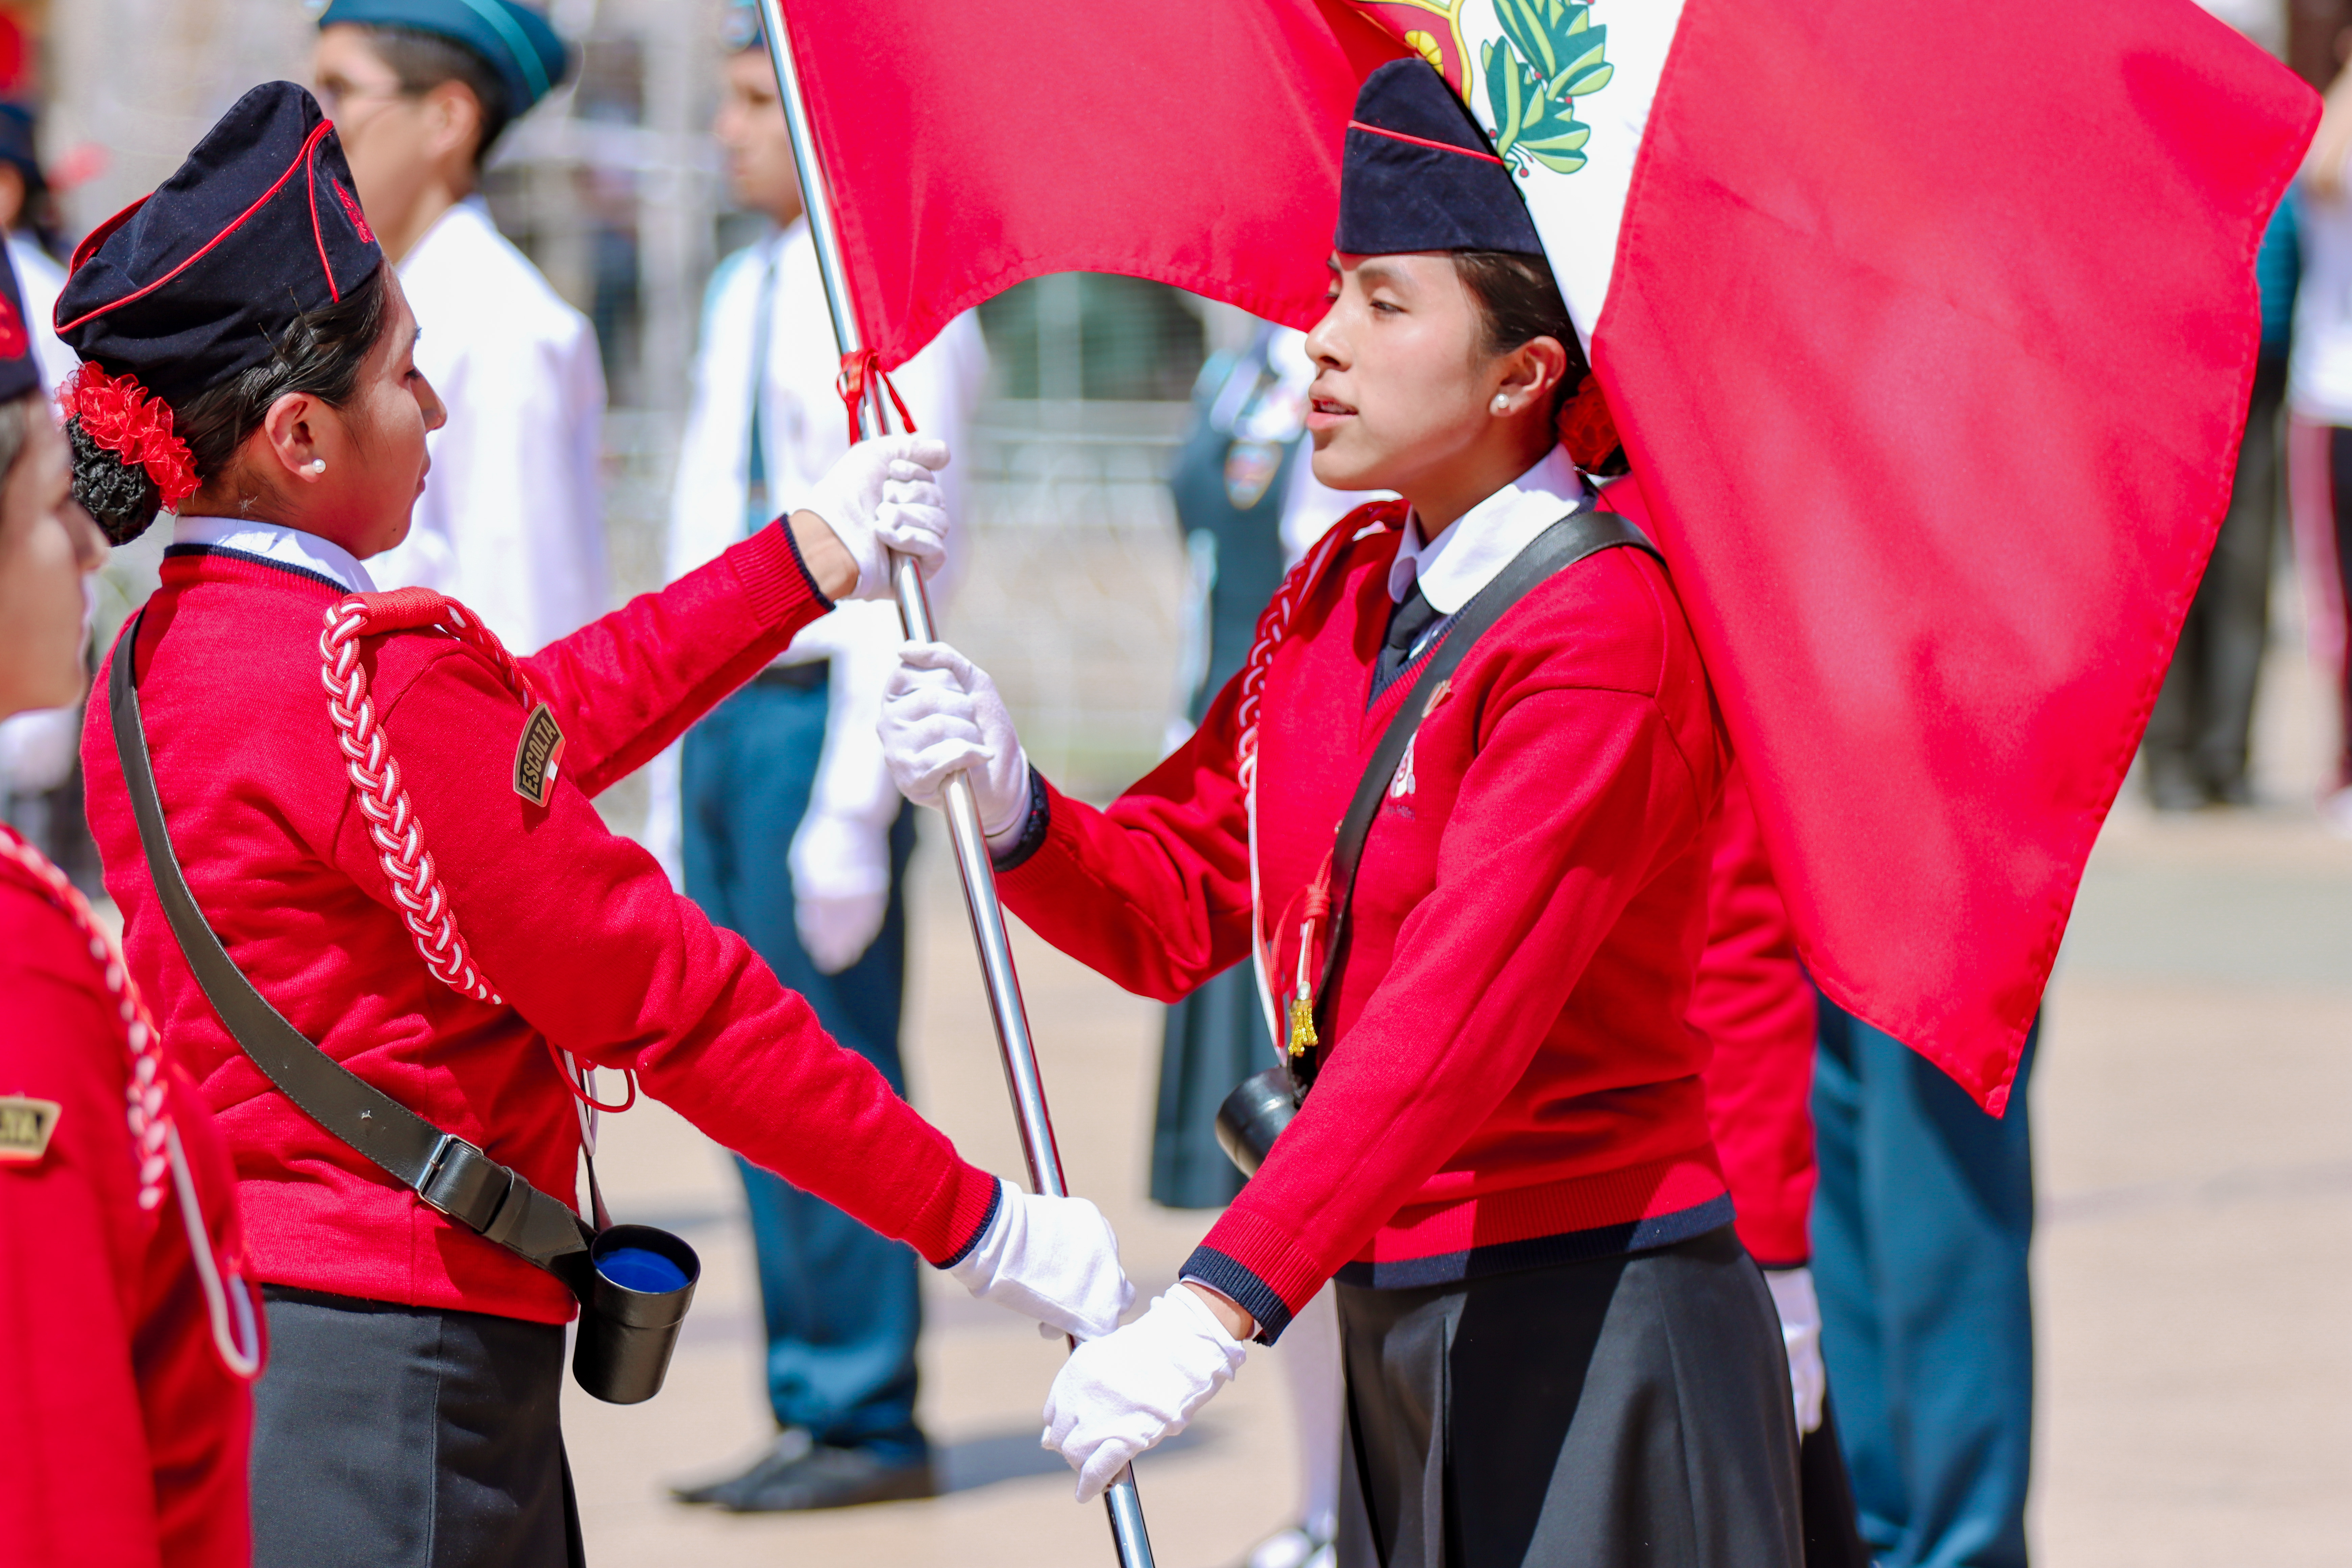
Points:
(1535, 368)
(288, 431)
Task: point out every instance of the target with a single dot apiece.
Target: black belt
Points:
(809, 677)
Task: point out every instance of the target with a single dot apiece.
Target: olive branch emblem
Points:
(1551, 55)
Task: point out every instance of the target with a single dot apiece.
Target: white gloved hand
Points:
(1801, 1331)
(941, 714)
(1119, 1397)
(885, 495)
(1053, 1260)
(841, 888)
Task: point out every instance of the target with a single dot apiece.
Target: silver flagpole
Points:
(978, 874)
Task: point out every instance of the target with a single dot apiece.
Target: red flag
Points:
(1931, 330)
(973, 144)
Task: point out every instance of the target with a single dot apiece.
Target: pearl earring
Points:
(317, 466)
(1502, 403)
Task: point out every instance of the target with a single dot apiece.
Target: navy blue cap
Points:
(1419, 175)
(201, 280)
(19, 372)
(515, 39)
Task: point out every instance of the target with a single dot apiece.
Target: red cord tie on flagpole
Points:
(860, 370)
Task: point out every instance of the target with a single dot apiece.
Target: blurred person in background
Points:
(1922, 1224)
(40, 791)
(512, 524)
(2197, 738)
(128, 1335)
(784, 818)
(2319, 380)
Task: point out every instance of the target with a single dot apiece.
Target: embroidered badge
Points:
(352, 210)
(1402, 783)
(536, 756)
(25, 1128)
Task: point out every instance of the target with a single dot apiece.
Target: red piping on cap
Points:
(259, 202)
(1422, 140)
(310, 193)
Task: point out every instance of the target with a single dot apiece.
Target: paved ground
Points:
(2191, 1111)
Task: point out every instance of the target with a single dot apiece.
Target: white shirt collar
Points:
(1482, 541)
(277, 544)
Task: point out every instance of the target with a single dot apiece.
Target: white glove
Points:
(1053, 1260)
(1801, 1331)
(1118, 1396)
(940, 714)
(884, 495)
(841, 888)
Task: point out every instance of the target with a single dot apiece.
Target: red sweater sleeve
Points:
(1576, 796)
(1154, 890)
(122, 1440)
(1752, 1003)
(629, 683)
(580, 932)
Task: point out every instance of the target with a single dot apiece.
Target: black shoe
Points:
(789, 1449)
(827, 1477)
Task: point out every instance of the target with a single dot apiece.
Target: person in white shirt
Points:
(512, 523)
(782, 814)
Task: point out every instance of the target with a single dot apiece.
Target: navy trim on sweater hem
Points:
(995, 1202)
(1033, 827)
(1247, 1292)
(1540, 1252)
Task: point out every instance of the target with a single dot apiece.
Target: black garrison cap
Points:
(19, 372)
(201, 280)
(1418, 174)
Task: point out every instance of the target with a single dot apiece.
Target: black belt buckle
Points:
(465, 1184)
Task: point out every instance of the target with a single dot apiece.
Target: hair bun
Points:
(120, 497)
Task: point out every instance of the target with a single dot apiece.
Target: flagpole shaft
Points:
(978, 872)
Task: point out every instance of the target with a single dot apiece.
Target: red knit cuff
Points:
(957, 1212)
(776, 581)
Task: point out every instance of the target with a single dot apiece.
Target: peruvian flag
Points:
(1931, 330)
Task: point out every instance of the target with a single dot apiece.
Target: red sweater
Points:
(1754, 1006)
(1513, 1082)
(122, 1436)
(577, 928)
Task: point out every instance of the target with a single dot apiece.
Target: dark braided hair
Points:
(321, 354)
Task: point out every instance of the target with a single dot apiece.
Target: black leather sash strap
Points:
(448, 1174)
(1556, 548)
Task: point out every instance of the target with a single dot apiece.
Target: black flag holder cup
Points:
(872, 415)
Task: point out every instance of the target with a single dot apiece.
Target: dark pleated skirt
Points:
(1609, 1413)
(390, 1436)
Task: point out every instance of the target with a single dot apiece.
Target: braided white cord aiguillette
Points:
(383, 799)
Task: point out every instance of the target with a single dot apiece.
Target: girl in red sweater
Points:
(128, 1335)
(1556, 1349)
(384, 820)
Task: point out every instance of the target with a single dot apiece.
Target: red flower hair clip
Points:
(126, 419)
(1587, 428)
